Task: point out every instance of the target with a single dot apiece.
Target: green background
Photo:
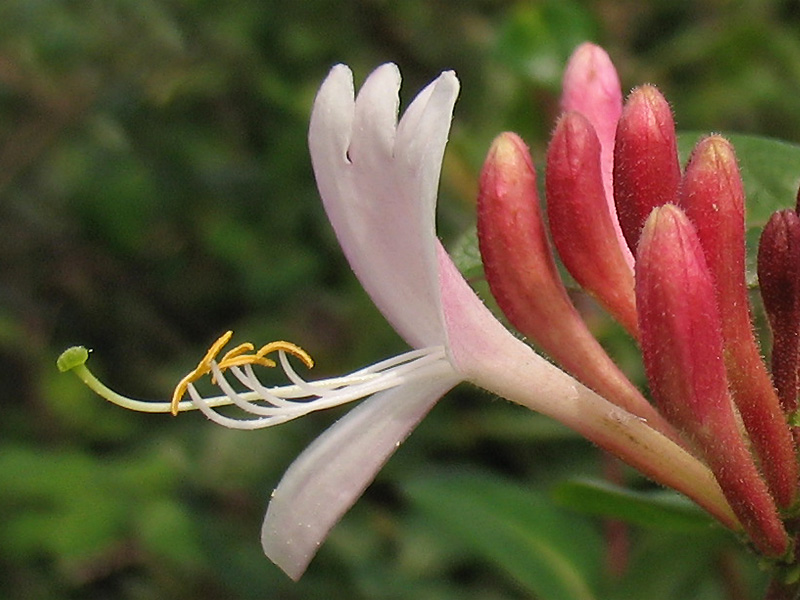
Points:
(155, 190)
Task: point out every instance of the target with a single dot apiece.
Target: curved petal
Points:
(379, 181)
(330, 475)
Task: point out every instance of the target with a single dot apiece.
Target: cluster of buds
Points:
(662, 250)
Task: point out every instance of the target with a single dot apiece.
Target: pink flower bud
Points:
(712, 195)
(646, 169)
(582, 228)
(779, 280)
(524, 280)
(681, 338)
(591, 87)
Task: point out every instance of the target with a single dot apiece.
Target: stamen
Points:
(269, 406)
(236, 357)
(239, 350)
(289, 347)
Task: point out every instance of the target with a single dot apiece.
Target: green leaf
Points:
(466, 254)
(669, 565)
(538, 38)
(167, 531)
(660, 509)
(554, 555)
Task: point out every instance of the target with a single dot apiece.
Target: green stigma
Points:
(71, 358)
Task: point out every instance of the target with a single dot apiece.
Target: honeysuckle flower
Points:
(682, 347)
(646, 168)
(583, 229)
(779, 281)
(378, 179)
(712, 195)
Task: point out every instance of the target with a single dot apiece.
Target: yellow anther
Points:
(238, 351)
(288, 347)
(237, 357)
(203, 367)
(215, 349)
(247, 359)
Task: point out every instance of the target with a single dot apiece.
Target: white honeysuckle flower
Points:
(379, 179)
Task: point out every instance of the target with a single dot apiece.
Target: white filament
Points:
(265, 407)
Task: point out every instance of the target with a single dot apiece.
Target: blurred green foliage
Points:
(156, 191)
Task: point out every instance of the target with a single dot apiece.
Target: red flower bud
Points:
(582, 227)
(646, 169)
(712, 195)
(779, 280)
(682, 348)
(524, 280)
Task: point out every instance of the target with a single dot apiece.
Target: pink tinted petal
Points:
(330, 475)
(375, 122)
(379, 185)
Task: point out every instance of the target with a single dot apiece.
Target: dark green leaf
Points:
(660, 508)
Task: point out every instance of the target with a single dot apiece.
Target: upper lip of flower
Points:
(379, 181)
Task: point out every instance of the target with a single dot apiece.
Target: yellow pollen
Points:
(237, 357)
(239, 350)
(289, 348)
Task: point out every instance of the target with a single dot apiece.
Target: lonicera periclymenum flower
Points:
(378, 178)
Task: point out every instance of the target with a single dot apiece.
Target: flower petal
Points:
(379, 181)
(330, 475)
